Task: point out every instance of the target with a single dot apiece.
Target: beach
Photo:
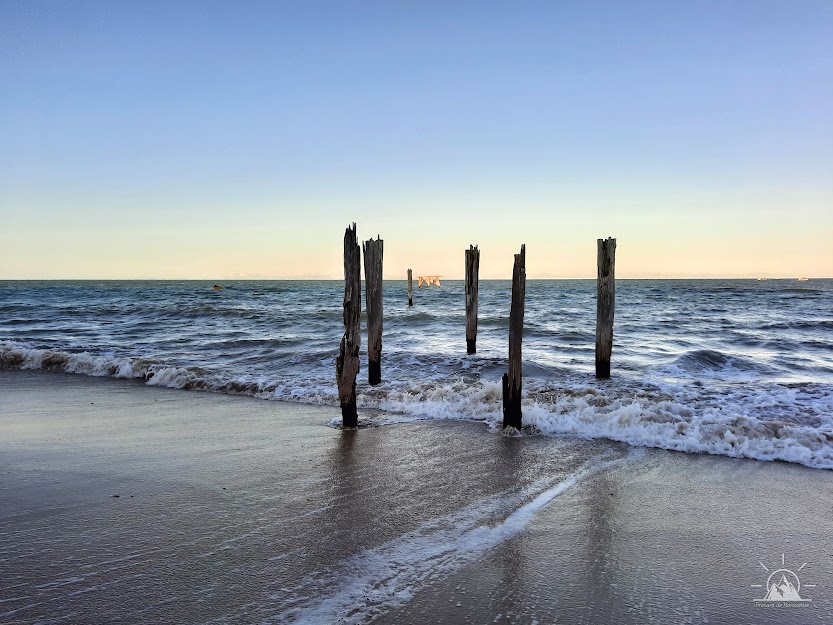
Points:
(123, 503)
(378, 313)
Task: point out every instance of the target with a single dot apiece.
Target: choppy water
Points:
(733, 367)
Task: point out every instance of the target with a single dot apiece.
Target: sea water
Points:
(735, 367)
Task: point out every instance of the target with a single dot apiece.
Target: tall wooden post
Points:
(410, 287)
(605, 299)
(472, 286)
(373, 295)
(347, 361)
(512, 379)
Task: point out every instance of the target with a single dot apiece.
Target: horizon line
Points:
(461, 279)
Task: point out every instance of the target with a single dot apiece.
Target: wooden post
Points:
(410, 287)
(472, 285)
(347, 361)
(605, 299)
(512, 379)
(373, 296)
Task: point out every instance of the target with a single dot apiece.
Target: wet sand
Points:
(236, 510)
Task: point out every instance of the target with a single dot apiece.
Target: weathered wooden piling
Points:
(410, 287)
(472, 286)
(605, 299)
(512, 379)
(347, 361)
(373, 296)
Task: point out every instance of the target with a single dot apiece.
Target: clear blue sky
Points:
(214, 139)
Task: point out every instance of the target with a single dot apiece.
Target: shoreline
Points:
(733, 437)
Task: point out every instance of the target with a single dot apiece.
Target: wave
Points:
(185, 311)
(759, 424)
(822, 324)
(416, 316)
(494, 322)
(24, 322)
(709, 361)
(252, 343)
(17, 356)
(772, 421)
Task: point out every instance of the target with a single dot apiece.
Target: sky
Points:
(223, 140)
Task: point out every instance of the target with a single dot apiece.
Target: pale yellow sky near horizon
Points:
(561, 247)
(664, 228)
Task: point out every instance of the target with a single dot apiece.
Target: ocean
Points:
(739, 368)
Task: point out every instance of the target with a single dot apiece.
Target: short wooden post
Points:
(605, 299)
(347, 361)
(512, 379)
(410, 287)
(472, 285)
(373, 296)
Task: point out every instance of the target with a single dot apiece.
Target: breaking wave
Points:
(791, 422)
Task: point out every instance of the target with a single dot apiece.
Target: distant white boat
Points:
(761, 279)
(429, 280)
(803, 279)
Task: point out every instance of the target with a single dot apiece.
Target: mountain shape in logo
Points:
(783, 591)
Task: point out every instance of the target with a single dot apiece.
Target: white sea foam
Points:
(172, 377)
(690, 426)
(773, 422)
(764, 421)
(25, 357)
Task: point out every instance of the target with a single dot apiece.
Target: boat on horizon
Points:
(426, 281)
